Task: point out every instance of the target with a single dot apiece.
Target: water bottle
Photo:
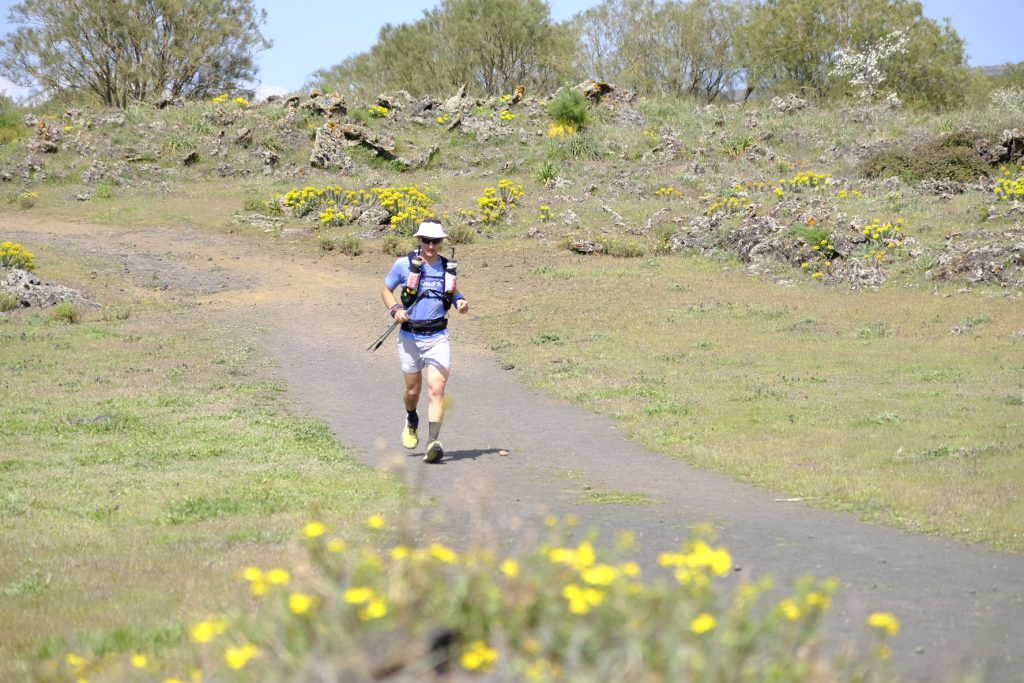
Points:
(415, 270)
(451, 274)
(412, 283)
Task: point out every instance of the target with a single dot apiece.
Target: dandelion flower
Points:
(300, 603)
(314, 530)
(238, 657)
(703, 623)
(885, 621)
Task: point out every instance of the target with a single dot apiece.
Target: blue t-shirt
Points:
(431, 303)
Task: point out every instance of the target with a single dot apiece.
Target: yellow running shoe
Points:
(409, 437)
(434, 452)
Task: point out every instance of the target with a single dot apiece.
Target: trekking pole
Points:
(380, 340)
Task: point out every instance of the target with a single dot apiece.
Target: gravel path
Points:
(961, 607)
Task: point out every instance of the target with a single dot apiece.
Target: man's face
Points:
(430, 246)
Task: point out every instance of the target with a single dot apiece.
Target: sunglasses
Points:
(428, 240)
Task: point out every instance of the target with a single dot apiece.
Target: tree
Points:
(131, 50)
(668, 48)
(793, 45)
(491, 46)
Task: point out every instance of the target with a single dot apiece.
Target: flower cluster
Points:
(728, 204)
(507, 116)
(16, 256)
(545, 213)
(378, 111)
(498, 203)
(846, 194)
(221, 99)
(882, 239)
(444, 118)
(807, 180)
(665, 192)
(1011, 185)
(557, 130)
(26, 199)
(556, 611)
(406, 206)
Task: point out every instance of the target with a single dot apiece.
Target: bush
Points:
(12, 126)
(581, 146)
(570, 109)
(952, 157)
(395, 245)
(460, 233)
(620, 247)
(66, 312)
(8, 302)
(15, 256)
(557, 611)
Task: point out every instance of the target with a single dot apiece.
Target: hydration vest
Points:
(409, 297)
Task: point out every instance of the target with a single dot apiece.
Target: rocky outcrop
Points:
(981, 256)
(33, 292)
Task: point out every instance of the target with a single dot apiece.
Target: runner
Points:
(428, 290)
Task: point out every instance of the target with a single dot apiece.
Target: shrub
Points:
(581, 146)
(8, 302)
(66, 312)
(555, 611)
(105, 189)
(621, 247)
(460, 233)
(350, 244)
(570, 109)
(952, 157)
(12, 126)
(16, 256)
(395, 245)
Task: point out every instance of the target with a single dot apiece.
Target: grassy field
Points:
(140, 469)
(148, 454)
(905, 405)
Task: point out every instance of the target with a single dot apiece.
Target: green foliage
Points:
(791, 46)
(135, 50)
(105, 189)
(349, 244)
(952, 157)
(570, 109)
(491, 46)
(66, 312)
(581, 146)
(554, 611)
(460, 233)
(8, 302)
(12, 126)
(395, 245)
(621, 247)
(677, 48)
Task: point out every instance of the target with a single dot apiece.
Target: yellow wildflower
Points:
(703, 623)
(885, 621)
(300, 603)
(238, 657)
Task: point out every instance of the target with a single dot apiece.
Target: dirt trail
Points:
(961, 607)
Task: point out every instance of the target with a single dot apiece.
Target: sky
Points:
(315, 34)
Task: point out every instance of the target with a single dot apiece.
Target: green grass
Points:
(862, 401)
(148, 457)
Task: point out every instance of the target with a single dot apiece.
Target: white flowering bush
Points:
(865, 71)
(1007, 99)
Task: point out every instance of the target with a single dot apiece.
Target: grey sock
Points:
(435, 429)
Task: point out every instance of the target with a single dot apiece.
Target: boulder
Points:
(329, 150)
(331, 104)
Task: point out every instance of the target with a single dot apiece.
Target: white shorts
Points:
(415, 353)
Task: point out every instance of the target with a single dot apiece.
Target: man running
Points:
(427, 282)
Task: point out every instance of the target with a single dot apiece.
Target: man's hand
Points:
(461, 305)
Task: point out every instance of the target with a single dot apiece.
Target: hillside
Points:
(852, 197)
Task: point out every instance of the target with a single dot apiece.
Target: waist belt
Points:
(425, 326)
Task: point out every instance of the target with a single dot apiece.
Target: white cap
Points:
(431, 229)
